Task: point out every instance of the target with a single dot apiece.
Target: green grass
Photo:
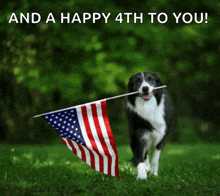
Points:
(55, 170)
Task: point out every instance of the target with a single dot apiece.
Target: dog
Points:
(149, 115)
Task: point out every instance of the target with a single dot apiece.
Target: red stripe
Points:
(63, 140)
(90, 136)
(101, 138)
(83, 154)
(110, 135)
(73, 148)
(92, 158)
(82, 151)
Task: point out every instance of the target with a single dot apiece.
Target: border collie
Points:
(149, 115)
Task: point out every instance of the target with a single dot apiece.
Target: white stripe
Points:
(100, 117)
(88, 160)
(95, 136)
(79, 154)
(85, 136)
(107, 141)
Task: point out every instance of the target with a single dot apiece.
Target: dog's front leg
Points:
(141, 155)
(147, 162)
(155, 162)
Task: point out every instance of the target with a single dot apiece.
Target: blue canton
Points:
(67, 125)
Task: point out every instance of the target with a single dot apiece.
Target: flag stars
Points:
(67, 125)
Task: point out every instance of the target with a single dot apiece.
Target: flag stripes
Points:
(107, 159)
(110, 139)
(100, 151)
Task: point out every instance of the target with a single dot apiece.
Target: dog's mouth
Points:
(146, 97)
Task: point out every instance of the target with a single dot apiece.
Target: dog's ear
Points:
(158, 93)
(159, 82)
(130, 84)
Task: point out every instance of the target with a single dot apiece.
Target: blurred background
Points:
(46, 67)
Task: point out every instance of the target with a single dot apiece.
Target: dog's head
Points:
(144, 83)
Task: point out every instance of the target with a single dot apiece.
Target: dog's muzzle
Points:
(146, 95)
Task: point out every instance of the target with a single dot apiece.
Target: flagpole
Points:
(127, 94)
(115, 97)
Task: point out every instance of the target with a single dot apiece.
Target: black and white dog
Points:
(149, 115)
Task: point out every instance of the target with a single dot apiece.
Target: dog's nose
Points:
(145, 89)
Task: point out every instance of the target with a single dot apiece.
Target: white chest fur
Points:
(150, 111)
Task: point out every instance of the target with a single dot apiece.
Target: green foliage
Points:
(68, 64)
(55, 170)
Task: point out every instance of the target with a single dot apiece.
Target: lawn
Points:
(55, 170)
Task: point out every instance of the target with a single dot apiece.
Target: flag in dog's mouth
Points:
(146, 97)
(86, 131)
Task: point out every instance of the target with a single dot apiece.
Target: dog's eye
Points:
(149, 78)
(137, 80)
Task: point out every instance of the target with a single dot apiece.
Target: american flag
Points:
(86, 131)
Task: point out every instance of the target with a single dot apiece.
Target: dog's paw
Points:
(142, 171)
(142, 176)
(154, 171)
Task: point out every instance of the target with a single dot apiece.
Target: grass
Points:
(55, 170)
